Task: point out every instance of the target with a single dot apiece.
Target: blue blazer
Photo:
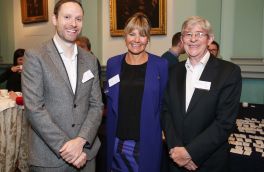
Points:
(150, 129)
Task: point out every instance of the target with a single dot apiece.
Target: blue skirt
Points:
(126, 156)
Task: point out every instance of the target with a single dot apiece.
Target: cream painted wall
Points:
(91, 27)
(176, 14)
(227, 28)
(31, 35)
(6, 32)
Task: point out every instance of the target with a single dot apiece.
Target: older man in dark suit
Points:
(201, 104)
(62, 98)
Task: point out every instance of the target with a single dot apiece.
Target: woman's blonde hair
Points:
(138, 21)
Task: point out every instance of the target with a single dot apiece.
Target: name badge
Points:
(204, 85)
(87, 76)
(114, 80)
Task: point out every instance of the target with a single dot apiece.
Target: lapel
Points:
(150, 76)
(180, 81)
(56, 59)
(81, 68)
(207, 75)
(114, 90)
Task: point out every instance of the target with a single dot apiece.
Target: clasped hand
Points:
(181, 157)
(72, 152)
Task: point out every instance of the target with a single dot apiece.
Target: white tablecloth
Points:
(13, 137)
(6, 103)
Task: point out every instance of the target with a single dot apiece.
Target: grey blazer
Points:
(55, 113)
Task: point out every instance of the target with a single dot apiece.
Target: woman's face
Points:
(20, 60)
(135, 42)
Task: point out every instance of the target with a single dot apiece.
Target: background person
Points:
(201, 104)
(136, 81)
(214, 48)
(172, 55)
(13, 74)
(62, 97)
(84, 43)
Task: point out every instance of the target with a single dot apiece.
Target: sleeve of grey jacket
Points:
(92, 122)
(36, 113)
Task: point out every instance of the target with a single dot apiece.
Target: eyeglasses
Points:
(198, 35)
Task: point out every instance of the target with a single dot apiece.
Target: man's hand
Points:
(81, 160)
(191, 166)
(180, 156)
(72, 149)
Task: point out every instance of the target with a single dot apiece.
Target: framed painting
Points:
(121, 10)
(34, 11)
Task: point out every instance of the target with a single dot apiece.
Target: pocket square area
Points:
(87, 76)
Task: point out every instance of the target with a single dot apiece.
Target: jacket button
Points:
(73, 125)
(74, 105)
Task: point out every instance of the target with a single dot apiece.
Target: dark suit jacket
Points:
(172, 58)
(55, 113)
(204, 129)
(150, 129)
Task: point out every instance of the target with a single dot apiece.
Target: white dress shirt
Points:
(69, 63)
(193, 75)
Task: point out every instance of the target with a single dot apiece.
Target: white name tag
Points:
(204, 85)
(87, 76)
(114, 80)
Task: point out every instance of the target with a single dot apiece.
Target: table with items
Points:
(247, 141)
(13, 137)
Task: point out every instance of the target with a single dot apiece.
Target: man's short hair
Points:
(215, 43)
(176, 39)
(61, 2)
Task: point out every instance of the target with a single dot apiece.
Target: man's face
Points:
(69, 21)
(213, 49)
(195, 41)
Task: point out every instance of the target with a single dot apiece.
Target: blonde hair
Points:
(138, 21)
(197, 20)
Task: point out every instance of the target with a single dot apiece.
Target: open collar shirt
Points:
(193, 75)
(69, 63)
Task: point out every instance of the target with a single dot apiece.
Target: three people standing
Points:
(63, 101)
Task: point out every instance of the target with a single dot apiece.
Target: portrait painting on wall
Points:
(121, 10)
(34, 11)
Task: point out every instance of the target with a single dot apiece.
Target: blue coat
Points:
(150, 129)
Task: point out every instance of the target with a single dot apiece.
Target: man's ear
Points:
(211, 39)
(181, 40)
(54, 20)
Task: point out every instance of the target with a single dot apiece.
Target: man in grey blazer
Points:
(62, 97)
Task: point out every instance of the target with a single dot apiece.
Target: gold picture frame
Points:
(34, 11)
(121, 10)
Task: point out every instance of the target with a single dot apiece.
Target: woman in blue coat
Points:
(136, 81)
